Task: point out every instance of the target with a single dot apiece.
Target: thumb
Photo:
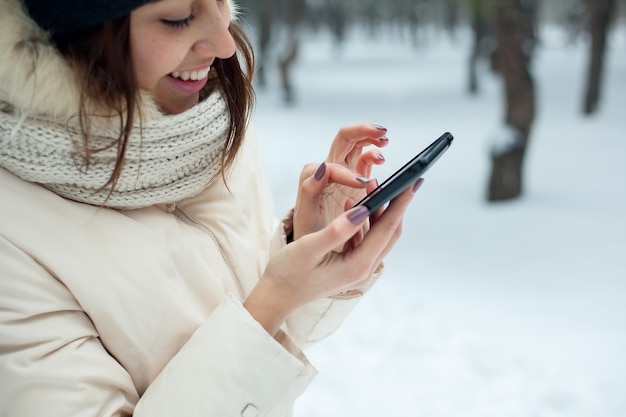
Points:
(336, 234)
(314, 185)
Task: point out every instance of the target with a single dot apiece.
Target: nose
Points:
(214, 38)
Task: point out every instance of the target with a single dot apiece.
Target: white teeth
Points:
(191, 75)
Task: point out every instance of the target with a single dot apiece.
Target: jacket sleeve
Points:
(318, 319)
(52, 362)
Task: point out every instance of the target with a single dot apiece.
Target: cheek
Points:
(151, 63)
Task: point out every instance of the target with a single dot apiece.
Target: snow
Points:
(503, 310)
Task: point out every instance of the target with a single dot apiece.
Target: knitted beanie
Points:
(70, 16)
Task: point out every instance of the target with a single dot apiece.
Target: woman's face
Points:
(173, 45)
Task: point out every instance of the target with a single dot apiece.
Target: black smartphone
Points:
(407, 175)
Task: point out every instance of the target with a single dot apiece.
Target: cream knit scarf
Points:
(167, 159)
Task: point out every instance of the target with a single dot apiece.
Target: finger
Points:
(360, 135)
(328, 173)
(375, 215)
(385, 231)
(398, 231)
(311, 189)
(353, 156)
(336, 234)
(394, 238)
(358, 237)
(367, 160)
(373, 185)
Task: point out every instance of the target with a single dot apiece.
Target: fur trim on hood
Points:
(34, 77)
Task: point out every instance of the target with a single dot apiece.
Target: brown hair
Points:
(101, 59)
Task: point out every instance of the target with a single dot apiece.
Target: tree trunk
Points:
(479, 30)
(451, 17)
(515, 42)
(600, 12)
(266, 16)
(294, 10)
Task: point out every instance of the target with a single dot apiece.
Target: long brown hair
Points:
(101, 59)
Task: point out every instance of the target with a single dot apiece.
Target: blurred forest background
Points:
(505, 34)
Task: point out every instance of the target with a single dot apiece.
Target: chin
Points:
(170, 106)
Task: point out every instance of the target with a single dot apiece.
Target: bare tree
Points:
(482, 45)
(600, 13)
(278, 26)
(451, 16)
(294, 15)
(514, 28)
(264, 11)
(573, 19)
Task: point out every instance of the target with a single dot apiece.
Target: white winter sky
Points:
(503, 310)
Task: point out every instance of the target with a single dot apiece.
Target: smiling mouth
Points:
(191, 75)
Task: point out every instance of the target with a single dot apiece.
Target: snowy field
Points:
(505, 310)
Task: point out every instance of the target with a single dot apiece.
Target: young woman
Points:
(142, 271)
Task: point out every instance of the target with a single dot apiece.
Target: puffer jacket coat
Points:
(117, 313)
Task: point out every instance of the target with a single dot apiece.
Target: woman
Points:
(141, 269)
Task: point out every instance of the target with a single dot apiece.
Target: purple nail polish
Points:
(359, 214)
(384, 139)
(380, 156)
(379, 127)
(363, 180)
(418, 184)
(320, 171)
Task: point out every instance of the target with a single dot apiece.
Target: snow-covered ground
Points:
(505, 310)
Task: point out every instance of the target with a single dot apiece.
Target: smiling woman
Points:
(193, 33)
(128, 66)
(142, 269)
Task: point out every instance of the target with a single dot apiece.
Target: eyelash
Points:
(178, 24)
(183, 23)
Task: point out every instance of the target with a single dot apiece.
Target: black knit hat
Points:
(68, 16)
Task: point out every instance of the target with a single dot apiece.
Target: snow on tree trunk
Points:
(514, 29)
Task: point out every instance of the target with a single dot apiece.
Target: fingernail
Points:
(379, 127)
(384, 139)
(363, 180)
(357, 215)
(418, 184)
(320, 171)
(380, 156)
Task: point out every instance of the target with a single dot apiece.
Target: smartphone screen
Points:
(407, 175)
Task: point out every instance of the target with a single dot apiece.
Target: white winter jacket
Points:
(118, 313)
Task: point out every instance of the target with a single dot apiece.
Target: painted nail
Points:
(418, 184)
(357, 215)
(384, 139)
(379, 127)
(320, 171)
(363, 180)
(380, 156)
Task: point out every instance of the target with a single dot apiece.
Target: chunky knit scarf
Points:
(167, 159)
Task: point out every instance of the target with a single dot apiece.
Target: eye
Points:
(178, 24)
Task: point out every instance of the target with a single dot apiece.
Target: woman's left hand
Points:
(328, 189)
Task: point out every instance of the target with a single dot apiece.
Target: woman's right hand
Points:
(309, 268)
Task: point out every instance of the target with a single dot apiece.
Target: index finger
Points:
(358, 135)
(384, 230)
